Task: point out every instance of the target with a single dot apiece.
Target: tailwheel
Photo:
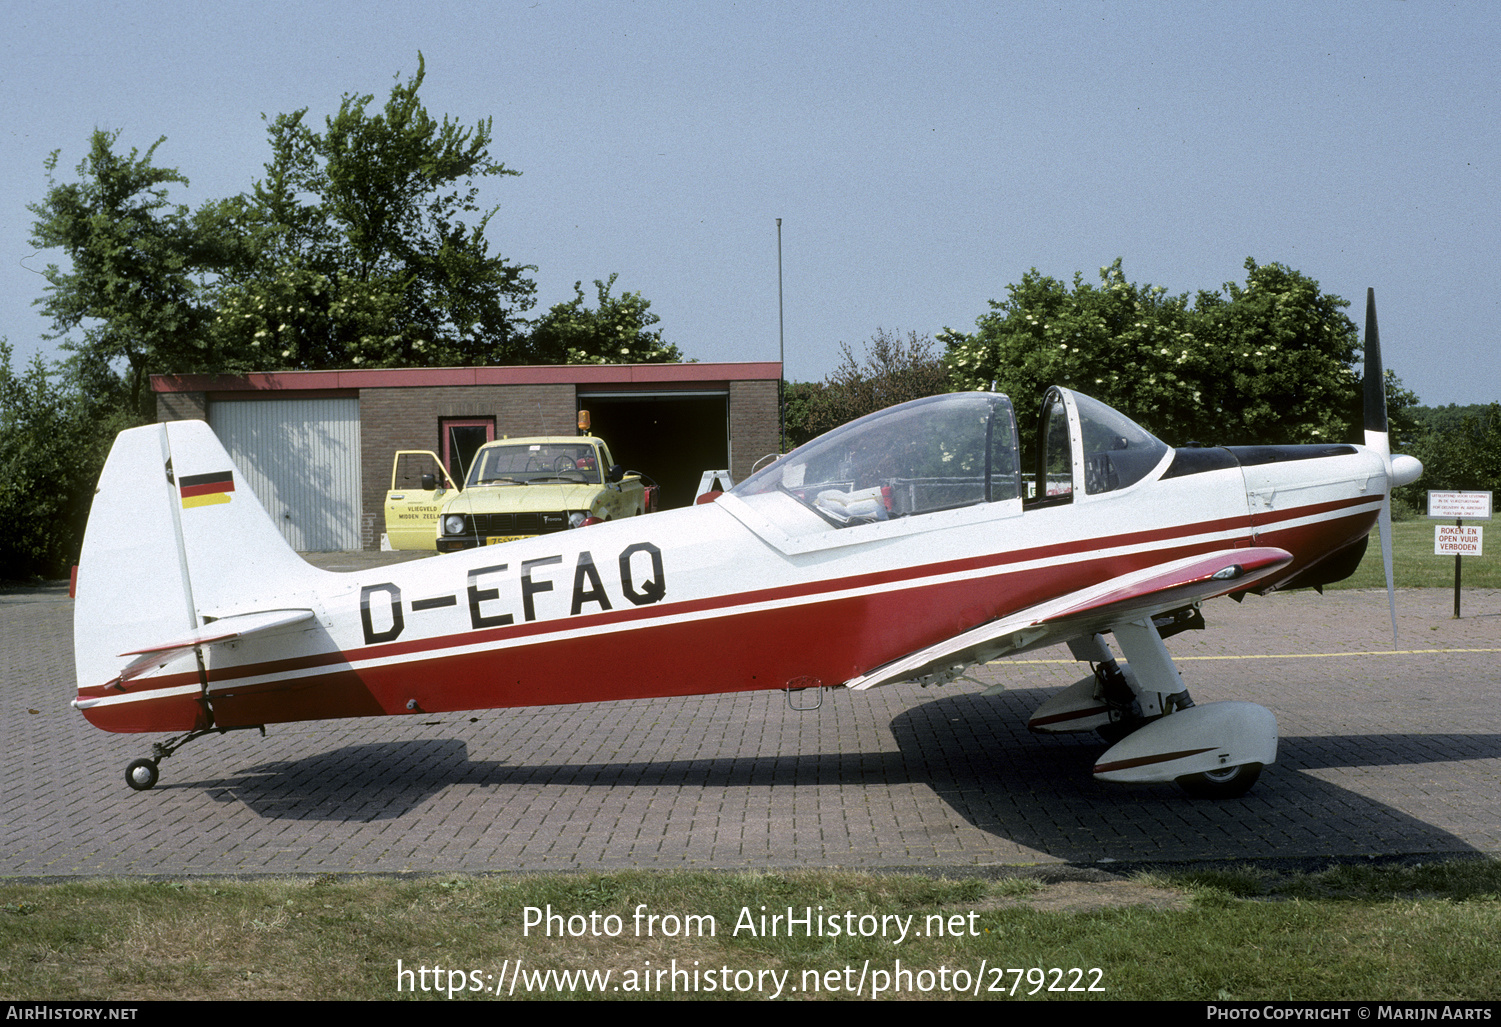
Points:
(141, 774)
(1227, 783)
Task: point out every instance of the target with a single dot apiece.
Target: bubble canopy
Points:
(940, 453)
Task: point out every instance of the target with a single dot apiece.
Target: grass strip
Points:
(1391, 933)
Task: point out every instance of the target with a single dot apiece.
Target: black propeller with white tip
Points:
(1400, 469)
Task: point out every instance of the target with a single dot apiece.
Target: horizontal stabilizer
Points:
(1142, 593)
(224, 629)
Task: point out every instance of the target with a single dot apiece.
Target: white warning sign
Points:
(1449, 540)
(1467, 505)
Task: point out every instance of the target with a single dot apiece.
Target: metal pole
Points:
(1458, 523)
(781, 351)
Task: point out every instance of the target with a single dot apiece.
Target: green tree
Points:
(1451, 417)
(53, 442)
(369, 245)
(894, 370)
(801, 408)
(1273, 361)
(1281, 361)
(137, 263)
(617, 331)
(1128, 345)
(1460, 448)
(363, 246)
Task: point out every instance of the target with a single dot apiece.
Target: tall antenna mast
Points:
(781, 350)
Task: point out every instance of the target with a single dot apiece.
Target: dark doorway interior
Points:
(672, 439)
(461, 439)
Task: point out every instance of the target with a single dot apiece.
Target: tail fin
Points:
(174, 537)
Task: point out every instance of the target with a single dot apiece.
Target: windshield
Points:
(931, 454)
(1116, 451)
(521, 463)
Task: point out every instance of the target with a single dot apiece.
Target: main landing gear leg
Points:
(1159, 685)
(1146, 688)
(142, 774)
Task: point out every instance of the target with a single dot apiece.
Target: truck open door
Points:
(420, 485)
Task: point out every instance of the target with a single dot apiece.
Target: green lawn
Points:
(1424, 932)
(1415, 565)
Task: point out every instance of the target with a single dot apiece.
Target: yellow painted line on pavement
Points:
(1281, 656)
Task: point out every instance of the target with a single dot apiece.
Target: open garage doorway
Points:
(672, 438)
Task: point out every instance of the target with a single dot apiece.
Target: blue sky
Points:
(921, 157)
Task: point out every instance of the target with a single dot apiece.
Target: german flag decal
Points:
(206, 489)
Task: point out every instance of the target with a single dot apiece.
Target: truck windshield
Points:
(522, 463)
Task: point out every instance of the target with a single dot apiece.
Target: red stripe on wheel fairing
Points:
(1059, 718)
(1147, 761)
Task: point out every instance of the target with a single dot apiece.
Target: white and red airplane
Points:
(900, 547)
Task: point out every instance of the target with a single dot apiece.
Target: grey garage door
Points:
(302, 459)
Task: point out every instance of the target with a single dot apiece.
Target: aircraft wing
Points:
(222, 630)
(1132, 596)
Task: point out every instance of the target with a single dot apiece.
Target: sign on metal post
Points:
(1458, 539)
(1468, 506)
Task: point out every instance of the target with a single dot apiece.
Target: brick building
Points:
(316, 446)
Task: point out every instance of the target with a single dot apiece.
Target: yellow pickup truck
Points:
(516, 488)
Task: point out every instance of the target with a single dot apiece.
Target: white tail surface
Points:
(174, 537)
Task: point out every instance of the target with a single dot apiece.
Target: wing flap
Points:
(1142, 593)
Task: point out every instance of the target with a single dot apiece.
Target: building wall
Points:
(407, 418)
(400, 409)
(754, 427)
(182, 406)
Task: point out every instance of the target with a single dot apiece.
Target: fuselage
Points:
(750, 592)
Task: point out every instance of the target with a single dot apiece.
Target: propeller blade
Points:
(1386, 561)
(1375, 383)
(1378, 437)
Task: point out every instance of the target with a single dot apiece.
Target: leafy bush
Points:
(53, 443)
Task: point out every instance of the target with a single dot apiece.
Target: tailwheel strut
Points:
(142, 774)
